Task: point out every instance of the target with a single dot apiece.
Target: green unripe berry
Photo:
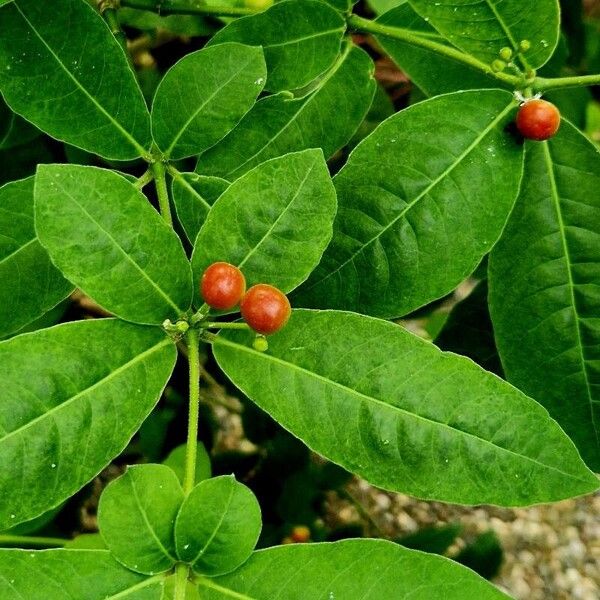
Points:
(498, 66)
(524, 45)
(506, 53)
(260, 343)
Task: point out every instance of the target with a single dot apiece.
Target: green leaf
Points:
(545, 286)
(326, 117)
(82, 92)
(176, 462)
(82, 574)
(218, 526)
(203, 96)
(420, 202)
(73, 396)
(136, 517)
(482, 28)
(193, 195)
(432, 73)
(283, 212)
(392, 408)
(86, 541)
(365, 569)
(382, 6)
(300, 38)
(31, 284)
(106, 238)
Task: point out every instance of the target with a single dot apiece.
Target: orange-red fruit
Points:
(538, 120)
(265, 308)
(222, 286)
(300, 534)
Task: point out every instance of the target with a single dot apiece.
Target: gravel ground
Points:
(551, 552)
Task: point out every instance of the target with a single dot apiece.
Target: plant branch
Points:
(24, 540)
(188, 7)
(541, 84)
(145, 179)
(405, 35)
(160, 180)
(224, 325)
(192, 436)
(182, 572)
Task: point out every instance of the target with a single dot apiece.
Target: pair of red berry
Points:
(538, 120)
(265, 308)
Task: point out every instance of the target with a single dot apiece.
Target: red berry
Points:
(265, 308)
(538, 120)
(300, 534)
(222, 286)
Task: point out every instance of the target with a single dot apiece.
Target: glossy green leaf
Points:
(382, 6)
(392, 408)
(86, 541)
(65, 72)
(283, 212)
(193, 195)
(204, 95)
(351, 569)
(136, 517)
(106, 238)
(545, 286)
(72, 398)
(300, 38)
(432, 73)
(176, 462)
(341, 5)
(420, 202)
(81, 574)
(218, 526)
(31, 284)
(326, 117)
(483, 27)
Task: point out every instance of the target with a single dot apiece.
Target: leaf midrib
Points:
(19, 249)
(143, 152)
(307, 100)
(571, 283)
(222, 341)
(418, 198)
(279, 217)
(160, 291)
(218, 526)
(203, 105)
(148, 524)
(305, 37)
(205, 582)
(67, 402)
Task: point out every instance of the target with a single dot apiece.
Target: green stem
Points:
(187, 7)
(145, 179)
(160, 180)
(405, 35)
(112, 20)
(182, 572)
(542, 84)
(24, 540)
(192, 436)
(224, 325)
